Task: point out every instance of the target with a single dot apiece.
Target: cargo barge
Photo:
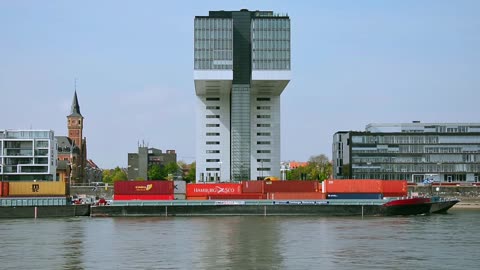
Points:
(38, 199)
(350, 197)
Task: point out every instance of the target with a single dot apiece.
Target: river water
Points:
(450, 241)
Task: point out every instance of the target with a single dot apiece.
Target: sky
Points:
(353, 63)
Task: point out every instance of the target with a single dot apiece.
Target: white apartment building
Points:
(27, 155)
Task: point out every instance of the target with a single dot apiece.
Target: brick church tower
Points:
(75, 134)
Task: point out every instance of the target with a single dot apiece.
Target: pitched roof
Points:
(75, 106)
(65, 144)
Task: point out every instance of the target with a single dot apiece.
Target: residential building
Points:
(138, 163)
(27, 155)
(241, 67)
(439, 152)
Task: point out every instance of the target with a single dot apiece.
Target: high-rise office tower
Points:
(242, 65)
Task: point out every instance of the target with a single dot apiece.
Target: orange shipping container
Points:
(395, 188)
(37, 189)
(352, 186)
(199, 198)
(252, 186)
(291, 186)
(196, 190)
(296, 196)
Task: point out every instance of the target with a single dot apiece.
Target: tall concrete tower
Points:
(241, 67)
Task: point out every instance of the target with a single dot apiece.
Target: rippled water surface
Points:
(449, 241)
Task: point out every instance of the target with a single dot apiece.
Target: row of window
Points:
(258, 108)
(258, 99)
(258, 134)
(217, 142)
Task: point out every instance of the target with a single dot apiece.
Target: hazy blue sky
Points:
(353, 63)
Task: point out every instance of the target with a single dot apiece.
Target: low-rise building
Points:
(138, 163)
(439, 152)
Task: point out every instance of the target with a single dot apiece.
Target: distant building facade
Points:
(440, 152)
(72, 149)
(241, 67)
(27, 155)
(138, 163)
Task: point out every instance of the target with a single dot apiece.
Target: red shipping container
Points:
(199, 198)
(291, 186)
(158, 197)
(353, 186)
(252, 186)
(245, 196)
(143, 187)
(4, 189)
(296, 196)
(196, 190)
(395, 188)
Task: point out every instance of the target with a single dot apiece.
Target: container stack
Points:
(33, 193)
(218, 191)
(143, 190)
(290, 190)
(364, 188)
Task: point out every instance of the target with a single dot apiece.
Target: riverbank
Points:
(468, 203)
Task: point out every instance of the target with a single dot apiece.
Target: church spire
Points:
(75, 107)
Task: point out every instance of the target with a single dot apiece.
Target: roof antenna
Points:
(75, 84)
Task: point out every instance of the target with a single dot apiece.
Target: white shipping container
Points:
(179, 187)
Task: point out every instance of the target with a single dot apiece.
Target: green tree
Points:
(319, 167)
(119, 174)
(107, 176)
(190, 177)
(156, 172)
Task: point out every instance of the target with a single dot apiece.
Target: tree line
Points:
(318, 168)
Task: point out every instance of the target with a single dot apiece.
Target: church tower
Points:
(75, 124)
(79, 143)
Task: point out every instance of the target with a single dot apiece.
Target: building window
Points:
(263, 99)
(263, 151)
(263, 169)
(213, 160)
(213, 134)
(263, 125)
(263, 116)
(213, 169)
(213, 116)
(213, 151)
(213, 99)
(263, 160)
(213, 107)
(213, 142)
(213, 125)
(263, 107)
(263, 133)
(263, 142)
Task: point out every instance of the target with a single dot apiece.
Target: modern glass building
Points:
(448, 152)
(241, 67)
(27, 155)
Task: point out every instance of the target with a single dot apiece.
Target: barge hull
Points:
(45, 211)
(238, 210)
